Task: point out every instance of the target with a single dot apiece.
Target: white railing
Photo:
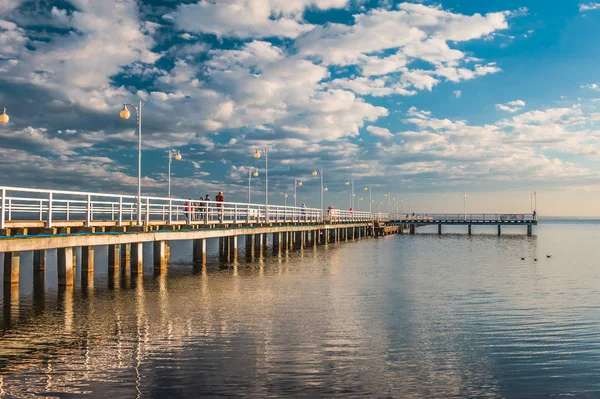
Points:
(469, 217)
(50, 206)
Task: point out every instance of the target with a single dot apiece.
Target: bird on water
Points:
(522, 258)
(535, 259)
(548, 256)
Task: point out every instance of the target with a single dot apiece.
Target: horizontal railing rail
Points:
(51, 206)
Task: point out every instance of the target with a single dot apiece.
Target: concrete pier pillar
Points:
(87, 264)
(499, 230)
(12, 261)
(226, 246)
(266, 240)
(439, 229)
(160, 257)
(39, 260)
(529, 230)
(233, 249)
(412, 230)
(249, 246)
(199, 251)
(258, 245)
(137, 258)
(126, 257)
(64, 266)
(470, 230)
(277, 244)
(114, 258)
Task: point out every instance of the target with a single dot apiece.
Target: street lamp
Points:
(250, 173)
(4, 117)
(533, 198)
(368, 188)
(315, 173)
(351, 183)
(359, 199)
(257, 155)
(172, 154)
(297, 183)
(285, 195)
(125, 114)
(464, 195)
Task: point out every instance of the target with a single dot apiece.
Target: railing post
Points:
(68, 211)
(49, 219)
(120, 211)
(235, 216)
(88, 211)
(10, 209)
(3, 209)
(170, 211)
(147, 211)
(266, 213)
(41, 210)
(248, 214)
(112, 211)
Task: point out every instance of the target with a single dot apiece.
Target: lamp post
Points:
(285, 195)
(389, 197)
(315, 173)
(172, 154)
(250, 181)
(359, 199)
(297, 183)
(464, 195)
(533, 198)
(368, 188)
(257, 155)
(4, 117)
(125, 114)
(351, 184)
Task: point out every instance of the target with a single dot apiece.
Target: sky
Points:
(423, 100)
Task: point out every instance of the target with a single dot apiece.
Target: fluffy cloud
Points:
(249, 18)
(592, 86)
(511, 106)
(380, 132)
(589, 7)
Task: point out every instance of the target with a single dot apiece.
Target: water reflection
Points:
(393, 317)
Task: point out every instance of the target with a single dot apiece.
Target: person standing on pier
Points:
(207, 205)
(220, 198)
(188, 210)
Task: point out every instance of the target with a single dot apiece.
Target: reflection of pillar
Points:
(412, 229)
(225, 255)
(65, 303)
(529, 230)
(499, 230)
(39, 289)
(470, 230)
(221, 248)
(440, 229)
(160, 257)
(266, 240)
(10, 306)
(199, 250)
(12, 261)
(64, 265)
(233, 252)
(39, 259)
(137, 258)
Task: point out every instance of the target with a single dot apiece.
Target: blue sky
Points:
(421, 99)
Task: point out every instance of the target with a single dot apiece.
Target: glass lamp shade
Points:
(4, 118)
(314, 173)
(255, 173)
(299, 183)
(178, 157)
(124, 114)
(256, 154)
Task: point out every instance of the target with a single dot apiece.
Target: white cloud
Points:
(457, 93)
(511, 106)
(380, 132)
(589, 7)
(592, 86)
(249, 18)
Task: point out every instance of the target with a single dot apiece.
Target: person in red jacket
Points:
(220, 198)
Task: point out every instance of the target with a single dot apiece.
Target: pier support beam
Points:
(529, 230)
(470, 229)
(126, 257)
(199, 251)
(277, 244)
(87, 265)
(439, 229)
(499, 230)
(12, 261)
(137, 258)
(249, 247)
(258, 245)
(114, 259)
(39, 260)
(233, 249)
(64, 266)
(160, 257)
(412, 230)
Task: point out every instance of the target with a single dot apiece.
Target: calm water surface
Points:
(401, 316)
